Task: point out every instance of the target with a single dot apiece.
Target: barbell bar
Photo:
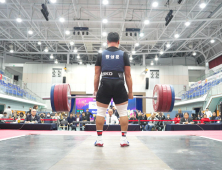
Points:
(163, 98)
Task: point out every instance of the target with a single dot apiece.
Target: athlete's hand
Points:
(130, 95)
(95, 93)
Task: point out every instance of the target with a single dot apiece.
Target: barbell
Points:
(163, 98)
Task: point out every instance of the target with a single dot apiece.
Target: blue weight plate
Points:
(52, 98)
(173, 98)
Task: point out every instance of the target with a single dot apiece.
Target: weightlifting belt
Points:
(115, 74)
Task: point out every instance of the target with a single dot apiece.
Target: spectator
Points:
(22, 117)
(208, 113)
(168, 118)
(151, 124)
(159, 124)
(56, 117)
(42, 117)
(4, 116)
(63, 121)
(180, 113)
(78, 118)
(84, 117)
(177, 119)
(27, 114)
(15, 116)
(9, 112)
(205, 119)
(142, 116)
(186, 119)
(30, 109)
(133, 118)
(35, 107)
(214, 117)
(48, 118)
(115, 112)
(111, 119)
(202, 114)
(70, 120)
(219, 117)
(33, 117)
(88, 114)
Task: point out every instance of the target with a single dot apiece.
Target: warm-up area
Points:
(110, 84)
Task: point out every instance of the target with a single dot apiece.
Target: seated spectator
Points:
(33, 117)
(151, 124)
(142, 116)
(133, 118)
(4, 116)
(42, 117)
(56, 117)
(115, 112)
(186, 119)
(15, 116)
(219, 117)
(180, 113)
(48, 118)
(22, 117)
(205, 119)
(111, 119)
(177, 119)
(159, 125)
(78, 118)
(202, 114)
(28, 113)
(214, 117)
(70, 120)
(168, 118)
(63, 121)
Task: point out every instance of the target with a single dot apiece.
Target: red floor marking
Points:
(211, 134)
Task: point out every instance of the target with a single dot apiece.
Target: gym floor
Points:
(187, 150)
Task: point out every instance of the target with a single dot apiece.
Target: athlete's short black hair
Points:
(113, 37)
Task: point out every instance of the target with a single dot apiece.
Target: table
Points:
(92, 127)
(177, 127)
(26, 126)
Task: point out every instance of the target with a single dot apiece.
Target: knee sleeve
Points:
(101, 111)
(122, 110)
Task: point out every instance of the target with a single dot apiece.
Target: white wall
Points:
(81, 77)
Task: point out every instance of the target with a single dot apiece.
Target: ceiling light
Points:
(137, 44)
(168, 45)
(151, 63)
(53, 1)
(146, 21)
(105, 20)
(194, 53)
(176, 35)
(51, 56)
(161, 52)
(131, 58)
(75, 50)
(78, 57)
(133, 51)
(61, 19)
(67, 32)
(100, 50)
(56, 61)
(11, 51)
(71, 43)
(2, 1)
(80, 62)
(105, 2)
(187, 23)
(156, 58)
(19, 19)
(46, 50)
(30, 32)
(104, 34)
(203, 5)
(141, 34)
(104, 44)
(39, 43)
(212, 41)
(154, 4)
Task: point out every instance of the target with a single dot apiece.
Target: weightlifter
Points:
(113, 63)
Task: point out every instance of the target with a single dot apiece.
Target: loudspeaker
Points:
(147, 83)
(64, 80)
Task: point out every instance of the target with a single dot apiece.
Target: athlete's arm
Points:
(129, 81)
(96, 78)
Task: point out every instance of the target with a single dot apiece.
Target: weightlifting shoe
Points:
(124, 143)
(99, 143)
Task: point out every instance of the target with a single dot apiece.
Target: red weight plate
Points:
(169, 98)
(157, 92)
(66, 102)
(164, 105)
(56, 97)
(60, 98)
